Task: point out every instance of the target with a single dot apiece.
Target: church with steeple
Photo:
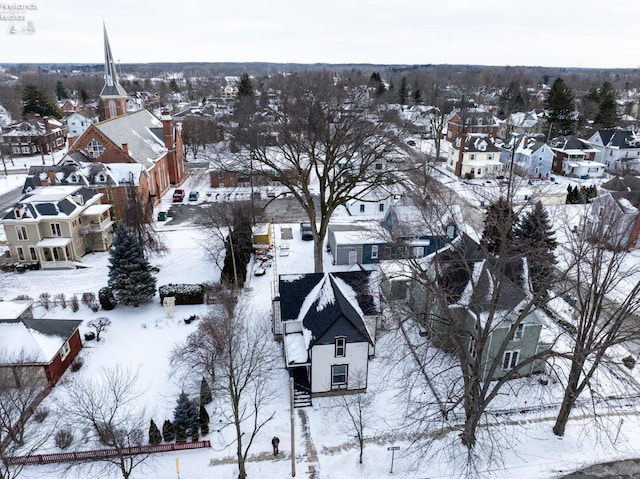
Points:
(112, 96)
(127, 149)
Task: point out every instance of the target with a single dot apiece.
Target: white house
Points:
(476, 157)
(78, 122)
(618, 150)
(328, 324)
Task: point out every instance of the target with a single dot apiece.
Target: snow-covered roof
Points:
(35, 340)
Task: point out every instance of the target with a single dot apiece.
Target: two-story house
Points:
(532, 157)
(471, 300)
(474, 156)
(575, 157)
(327, 323)
(471, 121)
(619, 150)
(79, 121)
(36, 135)
(54, 227)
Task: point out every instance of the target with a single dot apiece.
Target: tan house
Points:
(474, 156)
(54, 227)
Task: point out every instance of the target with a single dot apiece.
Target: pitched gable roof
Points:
(34, 340)
(329, 305)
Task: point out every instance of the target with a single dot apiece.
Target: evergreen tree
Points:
(560, 109)
(204, 420)
(607, 116)
(61, 91)
(535, 237)
(35, 103)
(205, 392)
(499, 222)
(154, 434)
(181, 434)
(238, 252)
(186, 417)
(245, 86)
(168, 431)
(403, 91)
(130, 276)
(416, 94)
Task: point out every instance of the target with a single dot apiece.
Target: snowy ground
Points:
(143, 337)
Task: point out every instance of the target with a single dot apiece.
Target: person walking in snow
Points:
(275, 442)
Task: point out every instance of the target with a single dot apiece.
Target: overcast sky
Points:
(569, 33)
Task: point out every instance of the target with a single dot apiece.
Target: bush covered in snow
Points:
(184, 293)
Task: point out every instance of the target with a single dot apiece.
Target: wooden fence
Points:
(97, 454)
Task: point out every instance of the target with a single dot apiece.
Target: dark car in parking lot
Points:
(305, 231)
(194, 195)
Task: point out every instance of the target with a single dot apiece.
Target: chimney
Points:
(125, 148)
(167, 129)
(525, 142)
(52, 177)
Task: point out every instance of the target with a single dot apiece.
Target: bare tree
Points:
(20, 387)
(99, 325)
(107, 409)
(357, 408)
(325, 147)
(243, 365)
(600, 269)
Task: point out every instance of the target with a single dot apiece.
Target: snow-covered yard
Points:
(142, 339)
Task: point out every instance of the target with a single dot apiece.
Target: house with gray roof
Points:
(532, 157)
(328, 324)
(43, 346)
(476, 302)
(619, 150)
(54, 227)
(474, 156)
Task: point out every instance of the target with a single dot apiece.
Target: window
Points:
(32, 253)
(361, 208)
(479, 171)
(112, 109)
(65, 350)
(95, 148)
(339, 375)
(381, 207)
(374, 251)
(418, 251)
(472, 156)
(20, 252)
(510, 359)
(517, 336)
(16, 150)
(341, 345)
(55, 229)
(25, 149)
(21, 231)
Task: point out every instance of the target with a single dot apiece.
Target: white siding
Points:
(323, 357)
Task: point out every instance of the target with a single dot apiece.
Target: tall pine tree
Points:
(154, 434)
(560, 108)
(130, 276)
(499, 222)
(245, 86)
(205, 392)
(204, 420)
(607, 116)
(535, 238)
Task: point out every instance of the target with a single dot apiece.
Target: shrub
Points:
(88, 299)
(75, 304)
(61, 300)
(629, 362)
(23, 297)
(168, 431)
(40, 414)
(184, 293)
(45, 300)
(107, 299)
(154, 434)
(77, 363)
(63, 438)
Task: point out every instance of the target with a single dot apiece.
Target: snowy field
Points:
(142, 339)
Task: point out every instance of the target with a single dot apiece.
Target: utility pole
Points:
(293, 442)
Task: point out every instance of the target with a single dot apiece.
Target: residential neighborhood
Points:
(323, 271)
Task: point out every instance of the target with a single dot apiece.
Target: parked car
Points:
(193, 196)
(178, 196)
(571, 299)
(305, 231)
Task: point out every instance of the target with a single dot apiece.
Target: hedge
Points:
(184, 293)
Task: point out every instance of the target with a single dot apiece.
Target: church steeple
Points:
(113, 96)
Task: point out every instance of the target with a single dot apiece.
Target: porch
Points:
(56, 253)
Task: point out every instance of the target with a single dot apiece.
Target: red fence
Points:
(98, 454)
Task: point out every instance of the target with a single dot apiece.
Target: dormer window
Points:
(73, 179)
(102, 178)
